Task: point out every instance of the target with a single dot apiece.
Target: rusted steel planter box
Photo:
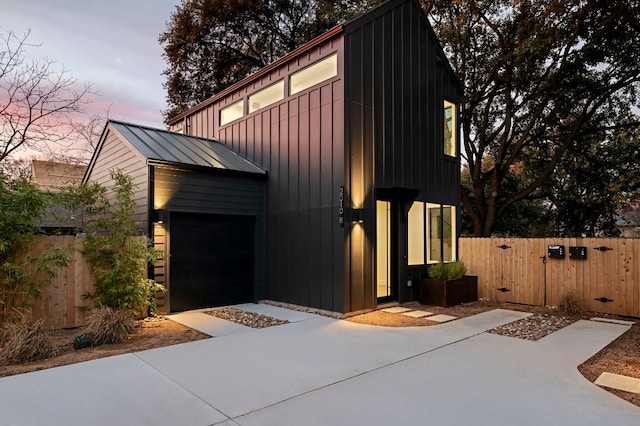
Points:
(448, 293)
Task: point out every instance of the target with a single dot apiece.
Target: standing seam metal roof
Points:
(166, 146)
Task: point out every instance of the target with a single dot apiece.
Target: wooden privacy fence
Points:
(520, 270)
(61, 300)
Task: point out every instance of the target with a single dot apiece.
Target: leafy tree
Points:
(593, 182)
(529, 217)
(21, 276)
(35, 98)
(118, 257)
(539, 78)
(211, 44)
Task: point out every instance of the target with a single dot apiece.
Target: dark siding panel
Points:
(300, 142)
(195, 192)
(408, 90)
(398, 130)
(337, 263)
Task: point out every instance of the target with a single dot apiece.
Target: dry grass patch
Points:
(25, 341)
(108, 326)
(570, 304)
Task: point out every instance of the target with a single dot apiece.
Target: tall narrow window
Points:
(450, 144)
(434, 233)
(314, 74)
(383, 248)
(266, 96)
(448, 233)
(415, 231)
(231, 112)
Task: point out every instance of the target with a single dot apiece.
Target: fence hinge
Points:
(603, 299)
(603, 248)
(503, 289)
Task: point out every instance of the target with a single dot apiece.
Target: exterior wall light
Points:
(356, 215)
(159, 215)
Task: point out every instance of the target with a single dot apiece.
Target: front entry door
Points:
(392, 208)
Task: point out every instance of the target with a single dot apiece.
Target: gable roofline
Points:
(96, 152)
(256, 75)
(159, 146)
(388, 5)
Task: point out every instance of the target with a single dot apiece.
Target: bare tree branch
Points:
(36, 99)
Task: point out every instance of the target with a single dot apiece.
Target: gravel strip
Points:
(534, 327)
(250, 319)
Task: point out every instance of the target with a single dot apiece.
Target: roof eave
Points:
(227, 172)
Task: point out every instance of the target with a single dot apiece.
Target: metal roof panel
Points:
(163, 145)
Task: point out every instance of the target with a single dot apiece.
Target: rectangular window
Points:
(232, 112)
(314, 74)
(266, 96)
(441, 233)
(450, 141)
(416, 233)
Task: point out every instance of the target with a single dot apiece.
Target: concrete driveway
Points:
(321, 371)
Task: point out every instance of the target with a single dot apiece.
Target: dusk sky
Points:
(112, 44)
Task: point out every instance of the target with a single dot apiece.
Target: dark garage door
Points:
(211, 260)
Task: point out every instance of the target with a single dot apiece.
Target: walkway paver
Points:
(417, 314)
(208, 324)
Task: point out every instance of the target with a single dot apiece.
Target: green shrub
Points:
(439, 271)
(447, 271)
(106, 325)
(456, 270)
(25, 341)
(117, 255)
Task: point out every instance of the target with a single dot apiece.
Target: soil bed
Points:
(148, 334)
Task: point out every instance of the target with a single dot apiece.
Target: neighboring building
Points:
(352, 143)
(628, 223)
(52, 177)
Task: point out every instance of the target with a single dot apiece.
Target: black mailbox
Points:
(555, 252)
(577, 252)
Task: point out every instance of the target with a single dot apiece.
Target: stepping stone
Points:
(613, 321)
(442, 318)
(396, 310)
(616, 381)
(417, 314)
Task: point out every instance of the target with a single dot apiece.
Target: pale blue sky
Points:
(113, 44)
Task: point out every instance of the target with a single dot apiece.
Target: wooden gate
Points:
(519, 270)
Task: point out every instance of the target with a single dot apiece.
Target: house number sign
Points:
(341, 205)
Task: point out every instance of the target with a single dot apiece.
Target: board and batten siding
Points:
(189, 191)
(299, 141)
(117, 154)
(395, 82)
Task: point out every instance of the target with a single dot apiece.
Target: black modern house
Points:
(328, 179)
